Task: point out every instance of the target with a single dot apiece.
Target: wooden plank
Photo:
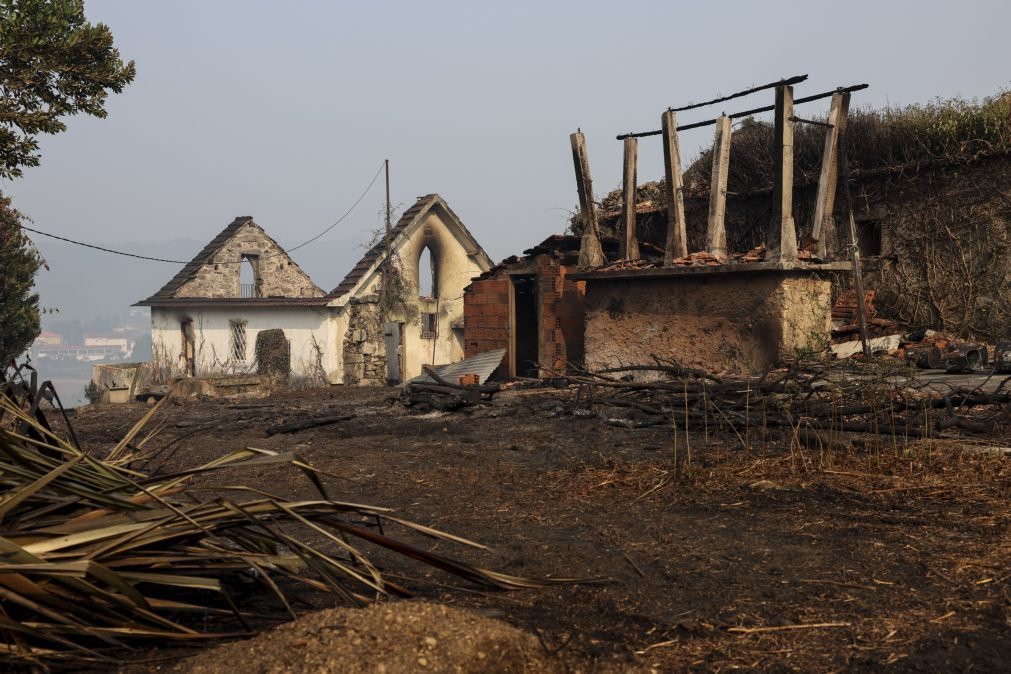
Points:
(782, 232)
(716, 230)
(677, 235)
(591, 253)
(828, 178)
(629, 242)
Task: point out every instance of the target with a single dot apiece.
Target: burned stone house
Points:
(399, 308)
(649, 299)
(932, 212)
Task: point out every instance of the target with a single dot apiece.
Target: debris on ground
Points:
(452, 387)
(403, 636)
(99, 554)
(837, 537)
(809, 398)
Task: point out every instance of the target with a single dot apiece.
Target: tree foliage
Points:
(19, 304)
(53, 64)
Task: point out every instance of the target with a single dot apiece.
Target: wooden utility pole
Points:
(629, 242)
(858, 277)
(389, 214)
(591, 254)
(677, 235)
(828, 178)
(385, 280)
(783, 232)
(716, 230)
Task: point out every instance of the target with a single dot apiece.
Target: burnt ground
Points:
(903, 555)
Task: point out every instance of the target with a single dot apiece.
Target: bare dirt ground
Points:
(777, 558)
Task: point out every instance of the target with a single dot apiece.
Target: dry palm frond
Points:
(95, 555)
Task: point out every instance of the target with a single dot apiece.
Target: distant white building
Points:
(206, 319)
(118, 341)
(80, 352)
(47, 339)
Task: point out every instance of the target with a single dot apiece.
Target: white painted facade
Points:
(203, 301)
(307, 329)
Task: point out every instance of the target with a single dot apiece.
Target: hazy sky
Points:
(285, 110)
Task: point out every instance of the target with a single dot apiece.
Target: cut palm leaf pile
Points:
(95, 556)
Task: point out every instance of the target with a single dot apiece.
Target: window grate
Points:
(429, 325)
(238, 329)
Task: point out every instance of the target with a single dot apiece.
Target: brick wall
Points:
(486, 317)
(562, 315)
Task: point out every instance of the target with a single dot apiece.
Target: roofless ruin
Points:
(712, 309)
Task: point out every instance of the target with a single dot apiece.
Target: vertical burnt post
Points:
(677, 236)
(828, 178)
(629, 242)
(783, 232)
(591, 254)
(858, 276)
(716, 230)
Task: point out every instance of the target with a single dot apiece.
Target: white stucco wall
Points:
(303, 327)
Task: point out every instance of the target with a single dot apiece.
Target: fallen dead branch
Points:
(303, 424)
(785, 628)
(811, 403)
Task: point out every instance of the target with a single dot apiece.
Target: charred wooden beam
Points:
(783, 232)
(591, 253)
(796, 79)
(716, 231)
(629, 242)
(828, 178)
(677, 235)
(747, 113)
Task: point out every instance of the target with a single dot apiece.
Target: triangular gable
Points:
(206, 257)
(410, 219)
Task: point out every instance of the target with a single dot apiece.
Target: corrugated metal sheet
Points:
(483, 365)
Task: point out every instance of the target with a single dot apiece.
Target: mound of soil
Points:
(398, 637)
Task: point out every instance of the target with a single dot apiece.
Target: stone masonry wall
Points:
(279, 275)
(364, 346)
(739, 322)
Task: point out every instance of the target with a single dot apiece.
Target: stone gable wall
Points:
(279, 275)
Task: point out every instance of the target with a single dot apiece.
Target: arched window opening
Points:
(428, 277)
(249, 276)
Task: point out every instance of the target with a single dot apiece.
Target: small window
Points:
(249, 275)
(428, 279)
(238, 329)
(429, 325)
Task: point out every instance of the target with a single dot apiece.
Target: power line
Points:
(346, 213)
(160, 259)
(104, 250)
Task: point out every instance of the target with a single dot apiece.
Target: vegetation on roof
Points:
(952, 129)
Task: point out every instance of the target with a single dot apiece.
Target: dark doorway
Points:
(188, 348)
(526, 326)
